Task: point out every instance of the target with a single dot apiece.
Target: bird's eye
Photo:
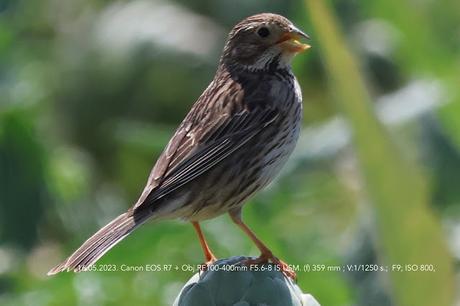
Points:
(263, 32)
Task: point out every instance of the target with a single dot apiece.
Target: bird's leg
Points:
(266, 255)
(208, 255)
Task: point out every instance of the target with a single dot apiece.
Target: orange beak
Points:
(289, 41)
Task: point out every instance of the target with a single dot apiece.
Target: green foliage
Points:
(398, 191)
(22, 179)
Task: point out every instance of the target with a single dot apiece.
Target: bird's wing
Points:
(187, 157)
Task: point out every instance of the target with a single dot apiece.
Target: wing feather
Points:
(216, 144)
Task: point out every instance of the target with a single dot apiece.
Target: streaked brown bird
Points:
(232, 143)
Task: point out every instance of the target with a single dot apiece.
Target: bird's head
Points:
(263, 40)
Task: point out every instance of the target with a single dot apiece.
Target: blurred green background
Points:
(91, 91)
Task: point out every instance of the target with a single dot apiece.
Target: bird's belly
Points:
(251, 168)
(244, 175)
(275, 159)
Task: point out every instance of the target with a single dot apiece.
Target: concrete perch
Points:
(225, 284)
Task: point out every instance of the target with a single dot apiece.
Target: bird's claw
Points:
(210, 261)
(270, 258)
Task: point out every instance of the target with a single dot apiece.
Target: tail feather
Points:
(100, 243)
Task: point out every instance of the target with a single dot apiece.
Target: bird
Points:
(232, 143)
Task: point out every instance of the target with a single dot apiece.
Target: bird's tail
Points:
(101, 242)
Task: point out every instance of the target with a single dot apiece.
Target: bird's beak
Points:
(289, 41)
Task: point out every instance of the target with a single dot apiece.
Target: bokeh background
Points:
(91, 91)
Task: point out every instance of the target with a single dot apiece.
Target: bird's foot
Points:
(209, 261)
(285, 268)
(270, 258)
